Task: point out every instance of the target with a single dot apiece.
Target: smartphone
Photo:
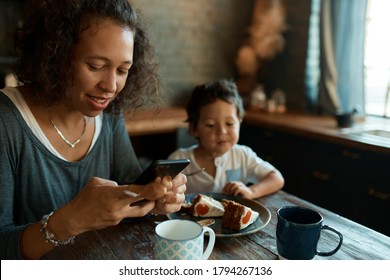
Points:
(161, 168)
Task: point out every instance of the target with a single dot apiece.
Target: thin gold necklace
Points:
(72, 145)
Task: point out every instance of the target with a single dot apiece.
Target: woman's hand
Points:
(174, 198)
(101, 203)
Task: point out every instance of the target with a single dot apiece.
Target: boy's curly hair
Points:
(202, 95)
(51, 29)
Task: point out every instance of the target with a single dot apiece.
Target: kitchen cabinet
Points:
(280, 149)
(352, 182)
(330, 178)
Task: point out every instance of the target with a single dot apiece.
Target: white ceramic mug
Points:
(182, 240)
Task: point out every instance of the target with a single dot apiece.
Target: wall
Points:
(195, 41)
(10, 14)
(287, 70)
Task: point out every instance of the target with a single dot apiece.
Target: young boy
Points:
(215, 112)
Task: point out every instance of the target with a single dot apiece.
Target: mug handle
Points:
(210, 244)
(326, 254)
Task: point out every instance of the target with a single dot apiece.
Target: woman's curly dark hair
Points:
(50, 31)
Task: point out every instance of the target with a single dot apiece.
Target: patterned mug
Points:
(182, 240)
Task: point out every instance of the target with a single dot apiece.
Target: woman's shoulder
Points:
(8, 97)
(112, 121)
(7, 93)
(9, 90)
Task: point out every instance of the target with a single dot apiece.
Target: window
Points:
(377, 58)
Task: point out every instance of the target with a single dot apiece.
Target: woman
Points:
(67, 161)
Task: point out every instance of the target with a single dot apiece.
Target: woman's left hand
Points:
(174, 198)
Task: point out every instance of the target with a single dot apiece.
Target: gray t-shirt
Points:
(34, 182)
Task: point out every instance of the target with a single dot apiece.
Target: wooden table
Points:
(134, 240)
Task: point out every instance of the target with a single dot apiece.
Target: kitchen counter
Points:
(147, 121)
(325, 128)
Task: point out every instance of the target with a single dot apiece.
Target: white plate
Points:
(259, 223)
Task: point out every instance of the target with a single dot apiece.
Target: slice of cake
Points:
(205, 206)
(237, 216)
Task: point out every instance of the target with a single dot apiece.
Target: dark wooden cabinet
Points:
(329, 177)
(373, 192)
(280, 149)
(351, 182)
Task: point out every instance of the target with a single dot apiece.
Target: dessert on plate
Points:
(237, 216)
(234, 215)
(206, 206)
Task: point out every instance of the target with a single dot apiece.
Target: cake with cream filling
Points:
(237, 216)
(205, 206)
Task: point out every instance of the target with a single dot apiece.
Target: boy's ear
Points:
(192, 130)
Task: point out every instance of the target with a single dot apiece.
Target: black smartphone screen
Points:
(161, 168)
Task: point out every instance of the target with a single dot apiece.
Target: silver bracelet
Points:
(49, 236)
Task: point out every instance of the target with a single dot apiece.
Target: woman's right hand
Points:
(101, 203)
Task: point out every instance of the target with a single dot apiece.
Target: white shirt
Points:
(238, 164)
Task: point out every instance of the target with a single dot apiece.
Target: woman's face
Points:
(218, 127)
(101, 62)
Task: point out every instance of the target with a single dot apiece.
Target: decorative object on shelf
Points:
(259, 101)
(279, 99)
(264, 41)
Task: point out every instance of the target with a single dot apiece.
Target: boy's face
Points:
(218, 127)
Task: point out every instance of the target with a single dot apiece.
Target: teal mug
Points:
(182, 240)
(298, 232)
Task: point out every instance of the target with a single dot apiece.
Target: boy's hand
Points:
(237, 188)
